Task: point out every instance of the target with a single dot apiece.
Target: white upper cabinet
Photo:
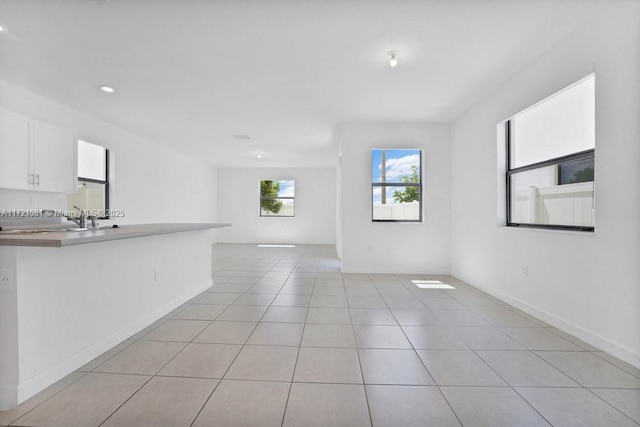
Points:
(36, 156)
(14, 151)
(54, 159)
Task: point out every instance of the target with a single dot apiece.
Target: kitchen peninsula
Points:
(68, 296)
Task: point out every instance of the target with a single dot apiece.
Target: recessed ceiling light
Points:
(107, 89)
(393, 57)
(2, 28)
(241, 137)
(259, 155)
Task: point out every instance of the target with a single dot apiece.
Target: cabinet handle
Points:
(38, 179)
(31, 179)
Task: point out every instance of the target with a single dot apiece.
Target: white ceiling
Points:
(191, 73)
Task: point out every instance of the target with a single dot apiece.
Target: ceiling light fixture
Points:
(107, 89)
(2, 28)
(393, 55)
(259, 155)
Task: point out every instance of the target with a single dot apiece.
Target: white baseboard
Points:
(385, 270)
(605, 344)
(18, 394)
(393, 271)
(8, 396)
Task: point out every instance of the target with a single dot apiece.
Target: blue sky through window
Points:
(398, 164)
(287, 189)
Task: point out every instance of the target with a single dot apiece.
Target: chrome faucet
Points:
(80, 221)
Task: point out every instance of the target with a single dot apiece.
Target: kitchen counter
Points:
(62, 238)
(61, 308)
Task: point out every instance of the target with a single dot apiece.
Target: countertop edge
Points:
(60, 239)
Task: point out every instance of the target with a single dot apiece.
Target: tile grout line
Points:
(126, 400)
(510, 386)
(152, 376)
(172, 358)
(423, 363)
(613, 364)
(364, 385)
(245, 344)
(45, 400)
(237, 266)
(295, 366)
(537, 355)
(614, 407)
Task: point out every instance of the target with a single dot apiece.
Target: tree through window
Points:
(396, 185)
(277, 198)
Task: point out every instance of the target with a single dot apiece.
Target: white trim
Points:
(8, 396)
(36, 384)
(390, 270)
(621, 352)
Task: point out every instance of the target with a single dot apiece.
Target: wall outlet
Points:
(5, 279)
(525, 271)
(156, 274)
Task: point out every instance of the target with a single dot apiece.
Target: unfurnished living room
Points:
(319, 213)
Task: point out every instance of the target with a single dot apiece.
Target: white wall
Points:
(585, 283)
(394, 247)
(150, 182)
(315, 206)
(53, 327)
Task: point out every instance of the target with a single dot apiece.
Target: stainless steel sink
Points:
(41, 230)
(56, 230)
(103, 227)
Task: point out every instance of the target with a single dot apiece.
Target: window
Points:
(93, 180)
(396, 185)
(550, 150)
(277, 198)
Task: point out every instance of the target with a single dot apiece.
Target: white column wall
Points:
(315, 206)
(381, 247)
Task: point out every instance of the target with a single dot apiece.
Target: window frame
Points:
(399, 184)
(556, 161)
(98, 181)
(278, 198)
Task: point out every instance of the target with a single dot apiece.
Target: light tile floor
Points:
(284, 339)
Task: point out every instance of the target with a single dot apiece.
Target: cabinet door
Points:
(14, 151)
(54, 159)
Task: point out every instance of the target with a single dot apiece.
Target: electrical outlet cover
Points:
(5, 278)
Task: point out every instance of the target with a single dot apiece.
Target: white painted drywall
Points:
(150, 182)
(394, 247)
(315, 206)
(585, 283)
(68, 305)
